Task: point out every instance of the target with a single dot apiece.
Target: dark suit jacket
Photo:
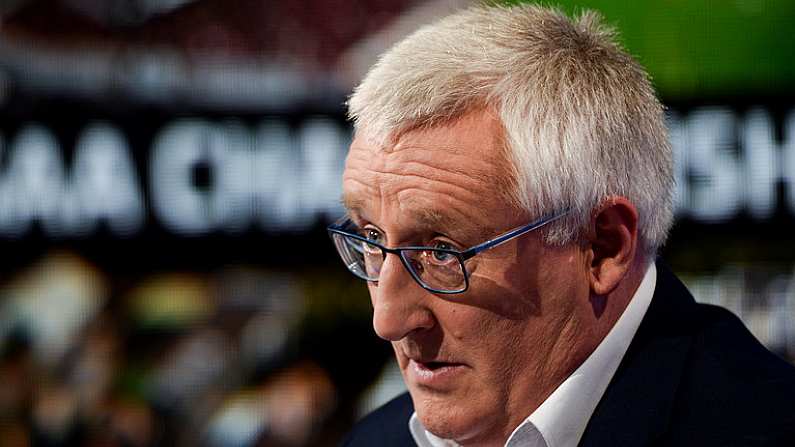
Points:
(692, 376)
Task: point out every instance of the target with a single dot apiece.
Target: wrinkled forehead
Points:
(473, 143)
(454, 166)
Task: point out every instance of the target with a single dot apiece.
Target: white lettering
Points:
(678, 136)
(177, 151)
(788, 160)
(230, 151)
(321, 142)
(283, 180)
(760, 164)
(105, 181)
(715, 193)
(277, 179)
(35, 184)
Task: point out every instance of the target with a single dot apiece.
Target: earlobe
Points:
(612, 244)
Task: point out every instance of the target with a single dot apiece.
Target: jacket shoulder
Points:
(387, 426)
(726, 351)
(735, 388)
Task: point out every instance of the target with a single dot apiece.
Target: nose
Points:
(400, 305)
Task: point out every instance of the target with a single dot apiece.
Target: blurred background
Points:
(167, 169)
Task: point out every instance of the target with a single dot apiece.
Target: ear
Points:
(611, 244)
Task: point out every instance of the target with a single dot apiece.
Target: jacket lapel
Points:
(636, 407)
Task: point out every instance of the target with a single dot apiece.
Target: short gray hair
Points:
(582, 122)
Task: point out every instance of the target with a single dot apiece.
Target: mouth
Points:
(435, 366)
(435, 374)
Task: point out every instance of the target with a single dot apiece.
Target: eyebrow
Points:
(427, 220)
(352, 205)
(433, 219)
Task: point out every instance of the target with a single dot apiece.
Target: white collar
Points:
(561, 419)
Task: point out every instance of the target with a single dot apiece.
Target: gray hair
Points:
(581, 119)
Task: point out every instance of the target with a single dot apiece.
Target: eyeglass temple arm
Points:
(505, 237)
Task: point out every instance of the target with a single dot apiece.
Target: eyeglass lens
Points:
(436, 269)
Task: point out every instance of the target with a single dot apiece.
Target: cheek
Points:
(455, 323)
(498, 337)
(565, 279)
(498, 351)
(487, 337)
(505, 297)
(508, 284)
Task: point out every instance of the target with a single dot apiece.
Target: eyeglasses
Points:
(439, 270)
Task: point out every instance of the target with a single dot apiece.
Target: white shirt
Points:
(561, 419)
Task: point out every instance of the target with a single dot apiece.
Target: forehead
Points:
(457, 172)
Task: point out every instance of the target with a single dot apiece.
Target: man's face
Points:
(477, 363)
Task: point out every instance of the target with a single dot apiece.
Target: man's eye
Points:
(373, 235)
(440, 256)
(441, 244)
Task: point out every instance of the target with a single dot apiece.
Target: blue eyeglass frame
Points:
(339, 228)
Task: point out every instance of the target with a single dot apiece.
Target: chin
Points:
(447, 416)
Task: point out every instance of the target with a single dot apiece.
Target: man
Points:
(537, 134)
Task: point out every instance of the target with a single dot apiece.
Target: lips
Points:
(436, 365)
(434, 374)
